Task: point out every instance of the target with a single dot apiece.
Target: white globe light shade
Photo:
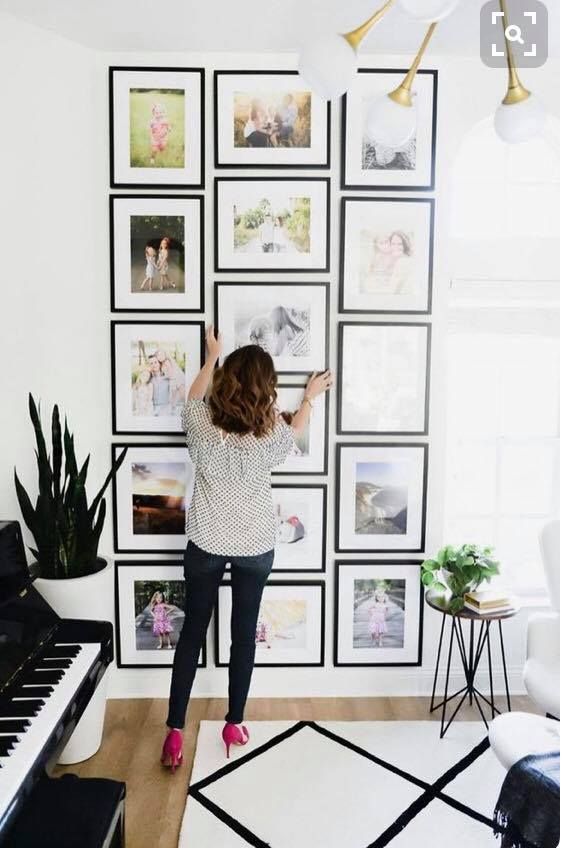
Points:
(389, 123)
(428, 11)
(328, 65)
(517, 122)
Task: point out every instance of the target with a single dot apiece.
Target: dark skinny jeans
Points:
(203, 573)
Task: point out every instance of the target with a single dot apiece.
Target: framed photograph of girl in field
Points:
(269, 119)
(156, 127)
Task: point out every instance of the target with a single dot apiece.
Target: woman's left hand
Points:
(214, 344)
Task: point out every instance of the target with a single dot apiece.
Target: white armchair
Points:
(541, 673)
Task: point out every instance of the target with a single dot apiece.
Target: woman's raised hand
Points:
(318, 384)
(214, 343)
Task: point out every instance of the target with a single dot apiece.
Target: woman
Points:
(291, 337)
(234, 441)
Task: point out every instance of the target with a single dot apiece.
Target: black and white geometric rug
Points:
(363, 784)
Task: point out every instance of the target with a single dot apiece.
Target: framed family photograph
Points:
(300, 514)
(276, 224)
(149, 613)
(290, 628)
(381, 497)
(310, 451)
(152, 492)
(288, 320)
(156, 127)
(370, 165)
(386, 254)
(153, 365)
(157, 253)
(378, 613)
(269, 119)
(383, 378)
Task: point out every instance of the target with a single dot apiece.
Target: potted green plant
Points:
(66, 530)
(458, 570)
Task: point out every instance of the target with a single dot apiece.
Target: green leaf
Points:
(56, 437)
(427, 578)
(430, 565)
(114, 469)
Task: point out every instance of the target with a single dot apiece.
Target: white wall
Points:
(55, 297)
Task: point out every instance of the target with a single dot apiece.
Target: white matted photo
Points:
(274, 224)
(368, 165)
(386, 254)
(379, 613)
(383, 378)
(380, 497)
(290, 627)
(300, 514)
(309, 454)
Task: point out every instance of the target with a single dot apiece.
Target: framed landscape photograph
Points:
(157, 253)
(149, 612)
(310, 452)
(153, 365)
(269, 119)
(288, 320)
(378, 613)
(300, 514)
(369, 165)
(277, 224)
(156, 127)
(290, 628)
(386, 254)
(383, 378)
(381, 494)
(152, 492)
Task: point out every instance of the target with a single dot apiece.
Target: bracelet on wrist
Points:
(307, 399)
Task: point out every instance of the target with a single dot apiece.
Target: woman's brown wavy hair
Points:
(243, 393)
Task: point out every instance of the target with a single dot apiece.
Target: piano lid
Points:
(14, 571)
(27, 622)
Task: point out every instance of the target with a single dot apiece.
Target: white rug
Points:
(363, 784)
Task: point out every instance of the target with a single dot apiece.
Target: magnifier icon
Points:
(513, 33)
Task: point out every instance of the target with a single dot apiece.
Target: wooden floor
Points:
(134, 731)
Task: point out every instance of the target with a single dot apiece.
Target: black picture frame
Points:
(200, 198)
(275, 473)
(316, 583)
(140, 564)
(323, 487)
(239, 179)
(113, 69)
(344, 185)
(337, 504)
(339, 565)
(344, 200)
(234, 165)
(340, 431)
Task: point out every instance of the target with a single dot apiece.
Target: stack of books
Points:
(488, 602)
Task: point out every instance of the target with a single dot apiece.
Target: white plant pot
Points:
(88, 597)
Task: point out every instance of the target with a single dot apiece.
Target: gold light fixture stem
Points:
(356, 36)
(516, 92)
(403, 94)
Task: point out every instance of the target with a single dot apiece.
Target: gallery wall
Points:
(55, 204)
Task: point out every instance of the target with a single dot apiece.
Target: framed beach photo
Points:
(290, 628)
(381, 497)
(149, 613)
(276, 224)
(269, 119)
(153, 365)
(288, 320)
(386, 254)
(152, 492)
(157, 253)
(378, 613)
(310, 451)
(383, 378)
(156, 127)
(300, 514)
(370, 165)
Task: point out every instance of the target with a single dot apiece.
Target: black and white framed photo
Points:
(152, 492)
(300, 514)
(290, 628)
(277, 224)
(157, 253)
(378, 613)
(383, 378)
(156, 127)
(381, 493)
(153, 365)
(288, 320)
(386, 254)
(149, 612)
(310, 451)
(269, 119)
(370, 165)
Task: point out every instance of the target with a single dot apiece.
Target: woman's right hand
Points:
(318, 384)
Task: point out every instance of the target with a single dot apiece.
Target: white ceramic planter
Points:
(88, 597)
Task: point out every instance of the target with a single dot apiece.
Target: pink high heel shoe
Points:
(172, 750)
(234, 735)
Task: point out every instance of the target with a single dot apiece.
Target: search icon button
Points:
(513, 33)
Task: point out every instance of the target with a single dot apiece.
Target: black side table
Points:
(470, 653)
